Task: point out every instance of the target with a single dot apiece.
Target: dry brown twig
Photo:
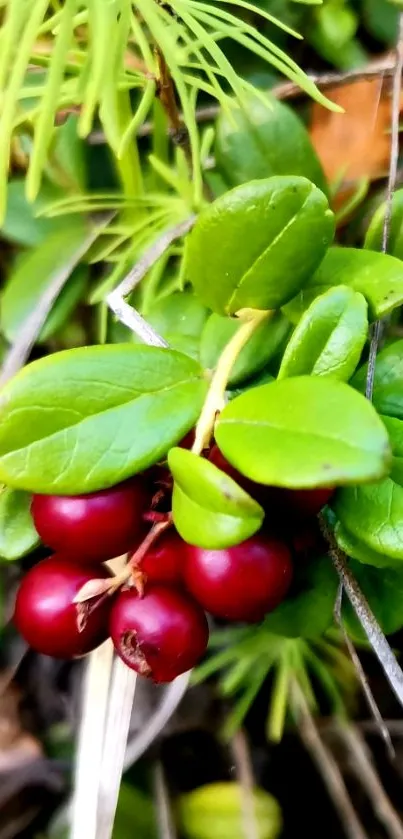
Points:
(129, 316)
(365, 771)
(375, 636)
(244, 773)
(326, 764)
(384, 66)
(360, 672)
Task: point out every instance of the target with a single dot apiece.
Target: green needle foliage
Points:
(108, 60)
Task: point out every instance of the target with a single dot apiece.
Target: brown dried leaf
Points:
(355, 144)
(93, 588)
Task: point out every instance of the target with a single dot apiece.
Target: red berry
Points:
(159, 635)
(267, 496)
(279, 502)
(46, 616)
(164, 561)
(93, 527)
(188, 440)
(307, 541)
(305, 503)
(241, 583)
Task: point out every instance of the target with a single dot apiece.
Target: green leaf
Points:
(388, 380)
(384, 592)
(186, 344)
(381, 19)
(377, 276)
(394, 428)
(135, 812)
(356, 549)
(32, 275)
(261, 347)
(179, 313)
(373, 514)
(258, 140)
(329, 338)
(87, 418)
(179, 318)
(373, 239)
(214, 811)
(307, 610)
(263, 378)
(304, 432)
(17, 532)
(209, 509)
(21, 223)
(258, 244)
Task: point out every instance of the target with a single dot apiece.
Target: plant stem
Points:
(376, 638)
(244, 772)
(326, 764)
(378, 326)
(384, 67)
(364, 769)
(167, 97)
(215, 400)
(365, 686)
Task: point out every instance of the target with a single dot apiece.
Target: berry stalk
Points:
(215, 399)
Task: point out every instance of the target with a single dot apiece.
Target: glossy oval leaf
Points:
(394, 428)
(308, 608)
(179, 318)
(258, 244)
(262, 378)
(304, 432)
(373, 239)
(258, 140)
(329, 338)
(87, 418)
(356, 549)
(180, 312)
(35, 271)
(17, 532)
(374, 515)
(378, 276)
(388, 380)
(209, 509)
(261, 347)
(383, 588)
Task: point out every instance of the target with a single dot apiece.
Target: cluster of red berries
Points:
(160, 631)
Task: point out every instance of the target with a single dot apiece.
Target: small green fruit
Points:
(214, 811)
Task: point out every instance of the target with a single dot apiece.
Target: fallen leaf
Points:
(355, 144)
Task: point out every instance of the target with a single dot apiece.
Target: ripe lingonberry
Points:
(281, 503)
(188, 440)
(160, 635)
(264, 495)
(307, 541)
(163, 563)
(305, 503)
(46, 616)
(93, 527)
(240, 583)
